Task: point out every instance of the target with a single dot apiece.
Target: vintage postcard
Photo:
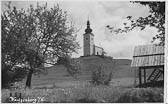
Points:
(83, 51)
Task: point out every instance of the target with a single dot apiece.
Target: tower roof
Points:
(88, 29)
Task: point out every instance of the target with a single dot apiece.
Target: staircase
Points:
(155, 75)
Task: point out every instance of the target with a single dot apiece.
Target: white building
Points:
(89, 47)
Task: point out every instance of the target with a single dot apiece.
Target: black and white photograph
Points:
(83, 51)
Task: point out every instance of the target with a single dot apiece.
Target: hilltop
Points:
(58, 73)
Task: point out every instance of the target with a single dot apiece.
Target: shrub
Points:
(64, 60)
(137, 95)
(12, 75)
(100, 77)
(86, 101)
(73, 65)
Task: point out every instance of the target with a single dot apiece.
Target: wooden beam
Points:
(150, 67)
(149, 55)
(144, 76)
(152, 74)
(140, 78)
(163, 72)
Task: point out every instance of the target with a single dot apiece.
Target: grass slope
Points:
(57, 75)
(123, 73)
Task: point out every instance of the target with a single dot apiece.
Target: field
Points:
(58, 86)
(89, 94)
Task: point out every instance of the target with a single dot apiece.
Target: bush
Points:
(64, 60)
(73, 66)
(100, 77)
(12, 75)
(138, 95)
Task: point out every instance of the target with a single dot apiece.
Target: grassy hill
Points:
(58, 75)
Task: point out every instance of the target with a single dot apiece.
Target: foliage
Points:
(156, 18)
(73, 65)
(9, 77)
(98, 94)
(100, 77)
(34, 37)
(142, 95)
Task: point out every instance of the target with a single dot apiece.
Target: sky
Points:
(101, 14)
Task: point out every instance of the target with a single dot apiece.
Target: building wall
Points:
(88, 44)
(98, 50)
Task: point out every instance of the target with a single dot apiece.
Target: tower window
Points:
(86, 38)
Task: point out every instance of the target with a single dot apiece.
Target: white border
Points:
(166, 57)
(166, 41)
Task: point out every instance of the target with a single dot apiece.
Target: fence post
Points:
(140, 80)
(144, 76)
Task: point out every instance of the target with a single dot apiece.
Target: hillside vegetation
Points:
(90, 94)
(58, 76)
(57, 86)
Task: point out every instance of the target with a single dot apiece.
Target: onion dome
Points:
(88, 29)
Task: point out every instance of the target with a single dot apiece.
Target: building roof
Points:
(88, 33)
(88, 29)
(148, 56)
(98, 47)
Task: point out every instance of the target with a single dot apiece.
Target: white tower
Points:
(88, 41)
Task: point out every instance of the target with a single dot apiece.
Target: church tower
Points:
(88, 39)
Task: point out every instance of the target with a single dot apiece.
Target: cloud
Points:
(122, 45)
(101, 14)
(114, 13)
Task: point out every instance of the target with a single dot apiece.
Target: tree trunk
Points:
(29, 77)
